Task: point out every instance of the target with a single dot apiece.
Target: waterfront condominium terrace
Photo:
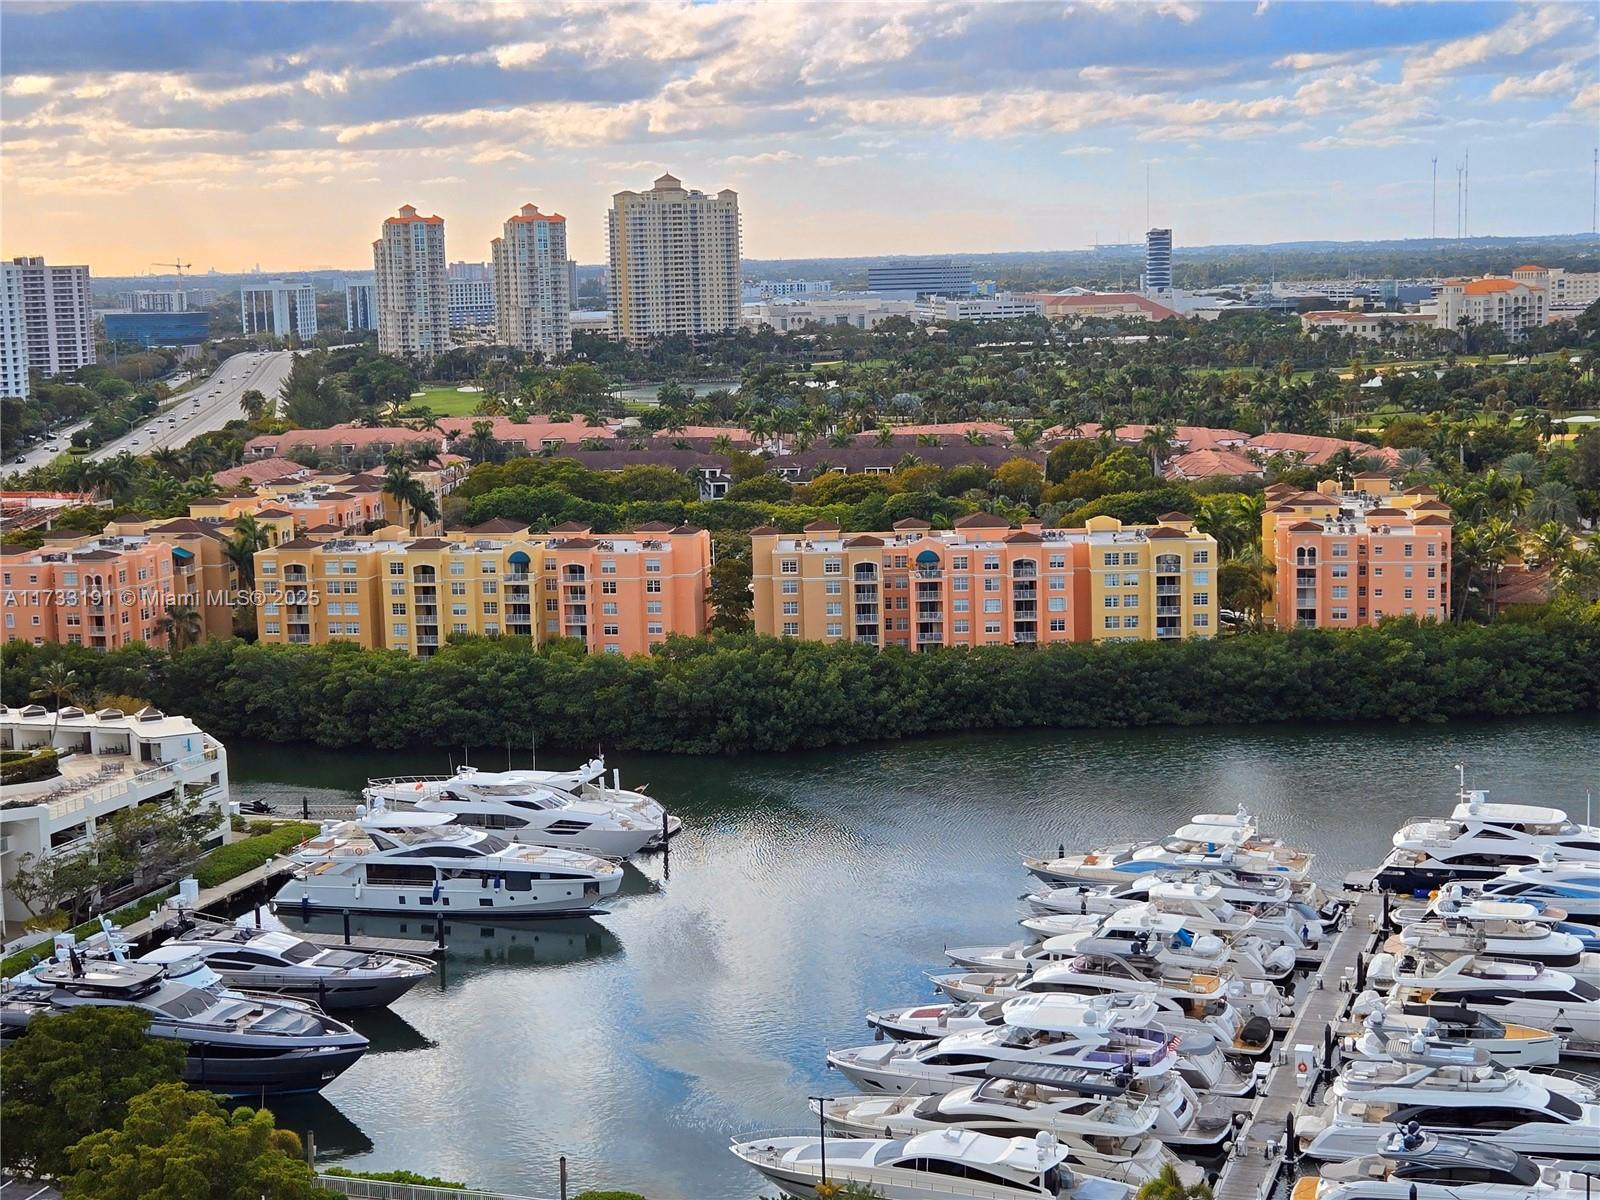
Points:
(986, 583)
(617, 593)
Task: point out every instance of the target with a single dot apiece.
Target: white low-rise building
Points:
(110, 761)
(1372, 326)
(793, 313)
(1002, 306)
(1511, 305)
(1567, 293)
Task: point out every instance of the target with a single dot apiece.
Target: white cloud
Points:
(839, 160)
(1557, 79)
(1524, 31)
(1086, 151)
(29, 85)
(442, 179)
(766, 158)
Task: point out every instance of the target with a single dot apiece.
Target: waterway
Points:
(805, 889)
(645, 393)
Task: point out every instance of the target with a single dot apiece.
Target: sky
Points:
(231, 134)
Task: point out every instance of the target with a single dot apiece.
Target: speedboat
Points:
(1414, 1165)
(1524, 993)
(1203, 909)
(1453, 1090)
(522, 812)
(278, 961)
(1480, 840)
(424, 864)
(1506, 1045)
(1573, 887)
(1211, 842)
(930, 1166)
(1106, 1131)
(238, 1045)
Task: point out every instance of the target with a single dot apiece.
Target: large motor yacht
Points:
(1523, 993)
(1212, 841)
(1480, 840)
(929, 1166)
(1252, 893)
(1479, 929)
(1472, 902)
(1106, 1131)
(236, 1044)
(1382, 1025)
(1413, 1165)
(1453, 1090)
(530, 814)
(1202, 908)
(424, 864)
(1571, 887)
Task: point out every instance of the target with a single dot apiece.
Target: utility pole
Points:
(1466, 196)
(1594, 202)
(1434, 226)
(1147, 195)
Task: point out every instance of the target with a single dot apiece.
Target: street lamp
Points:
(822, 1103)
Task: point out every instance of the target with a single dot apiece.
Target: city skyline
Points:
(287, 132)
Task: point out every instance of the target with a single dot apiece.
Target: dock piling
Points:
(347, 927)
(562, 1165)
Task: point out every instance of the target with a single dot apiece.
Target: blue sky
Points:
(236, 133)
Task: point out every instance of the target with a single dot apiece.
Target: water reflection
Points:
(337, 1136)
(472, 943)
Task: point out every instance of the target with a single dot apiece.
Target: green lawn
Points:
(445, 401)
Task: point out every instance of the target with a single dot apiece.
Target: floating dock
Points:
(1258, 1154)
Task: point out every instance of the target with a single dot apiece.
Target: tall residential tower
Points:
(532, 277)
(1158, 261)
(674, 262)
(411, 292)
(57, 321)
(13, 335)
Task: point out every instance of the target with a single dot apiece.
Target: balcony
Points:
(516, 577)
(1169, 589)
(299, 639)
(424, 611)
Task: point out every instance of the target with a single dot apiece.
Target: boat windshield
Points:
(189, 1002)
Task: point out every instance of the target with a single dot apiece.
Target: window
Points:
(336, 610)
(652, 566)
(1057, 582)
(1202, 556)
(1201, 620)
(1113, 579)
(991, 562)
(1200, 599)
(961, 606)
(272, 626)
(791, 587)
(962, 626)
(397, 568)
(457, 567)
(613, 648)
(991, 583)
(401, 631)
(1340, 572)
(1130, 622)
(1113, 622)
(1433, 550)
(549, 564)
(1058, 624)
(958, 563)
(1406, 549)
(653, 606)
(457, 589)
(490, 587)
(460, 610)
(1405, 594)
(791, 629)
(789, 566)
(1339, 550)
(835, 629)
(1200, 578)
(461, 627)
(551, 605)
(961, 583)
(1058, 562)
(991, 606)
(1058, 604)
(833, 566)
(608, 587)
(1112, 558)
(1130, 558)
(1113, 602)
(1431, 595)
(1406, 571)
(653, 586)
(833, 587)
(608, 566)
(1339, 614)
(608, 609)
(491, 608)
(991, 626)
(654, 629)
(609, 631)
(834, 610)
(1340, 592)
(397, 610)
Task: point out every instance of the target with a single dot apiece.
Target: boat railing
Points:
(846, 1172)
(393, 780)
(1582, 1078)
(382, 1189)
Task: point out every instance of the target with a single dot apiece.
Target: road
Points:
(206, 406)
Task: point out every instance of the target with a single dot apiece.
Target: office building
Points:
(532, 278)
(798, 310)
(360, 305)
(13, 335)
(1004, 306)
(1345, 558)
(674, 265)
(173, 327)
(911, 278)
(617, 593)
(58, 322)
(282, 310)
(985, 583)
(1512, 306)
(167, 299)
(412, 289)
(112, 761)
(774, 289)
(1158, 260)
(1078, 306)
(572, 282)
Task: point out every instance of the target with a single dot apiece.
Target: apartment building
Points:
(986, 583)
(1370, 326)
(410, 285)
(360, 305)
(1158, 261)
(1508, 304)
(111, 761)
(57, 318)
(1567, 293)
(618, 593)
(279, 309)
(13, 335)
(471, 295)
(1346, 558)
(675, 262)
(167, 300)
(532, 278)
(796, 311)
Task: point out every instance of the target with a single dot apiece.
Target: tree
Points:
(62, 881)
(255, 406)
(183, 1145)
(1169, 1185)
(729, 590)
(1157, 443)
(73, 1075)
(413, 498)
(58, 683)
(181, 624)
(481, 443)
(249, 535)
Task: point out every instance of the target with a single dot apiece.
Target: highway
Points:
(206, 406)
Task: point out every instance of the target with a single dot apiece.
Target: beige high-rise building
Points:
(674, 262)
(57, 321)
(410, 291)
(532, 300)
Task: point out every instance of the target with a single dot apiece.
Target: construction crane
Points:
(180, 267)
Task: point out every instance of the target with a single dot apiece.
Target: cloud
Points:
(766, 158)
(840, 160)
(1087, 151)
(1524, 31)
(29, 85)
(1557, 79)
(442, 179)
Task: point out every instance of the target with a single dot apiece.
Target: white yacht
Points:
(1453, 1090)
(1382, 1029)
(1211, 842)
(1203, 909)
(1482, 930)
(930, 1166)
(1571, 887)
(1523, 993)
(1249, 892)
(530, 814)
(1480, 840)
(424, 864)
(1413, 1165)
(1106, 1132)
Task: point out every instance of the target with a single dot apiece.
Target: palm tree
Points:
(1158, 444)
(249, 535)
(254, 405)
(181, 625)
(169, 460)
(884, 437)
(1578, 573)
(1548, 543)
(58, 683)
(1027, 436)
(722, 444)
(1169, 1185)
(481, 442)
(1523, 466)
(1553, 502)
(976, 437)
(412, 497)
(1497, 541)
(1414, 459)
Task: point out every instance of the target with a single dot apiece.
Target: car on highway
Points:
(20, 459)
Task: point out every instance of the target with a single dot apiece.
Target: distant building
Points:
(58, 322)
(675, 262)
(1512, 306)
(1158, 260)
(912, 278)
(167, 299)
(590, 320)
(771, 289)
(279, 309)
(799, 310)
(1003, 306)
(1370, 326)
(412, 289)
(1108, 306)
(472, 294)
(173, 328)
(1567, 293)
(13, 335)
(360, 305)
(572, 281)
(532, 275)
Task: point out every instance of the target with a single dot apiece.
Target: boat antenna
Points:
(508, 752)
(1461, 777)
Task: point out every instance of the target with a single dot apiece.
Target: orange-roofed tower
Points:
(411, 292)
(531, 283)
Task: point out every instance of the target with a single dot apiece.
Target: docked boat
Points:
(1380, 1025)
(1212, 841)
(424, 864)
(1571, 887)
(1106, 1131)
(1203, 909)
(1479, 929)
(1413, 1165)
(1472, 902)
(930, 1166)
(236, 1044)
(277, 961)
(530, 814)
(1480, 840)
(1249, 892)
(1513, 992)
(1453, 1090)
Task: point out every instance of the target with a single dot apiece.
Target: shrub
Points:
(230, 861)
(40, 764)
(410, 1177)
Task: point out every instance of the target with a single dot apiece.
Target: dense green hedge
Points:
(742, 692)
(410, 1177)
(38, 765)
(234, 859)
